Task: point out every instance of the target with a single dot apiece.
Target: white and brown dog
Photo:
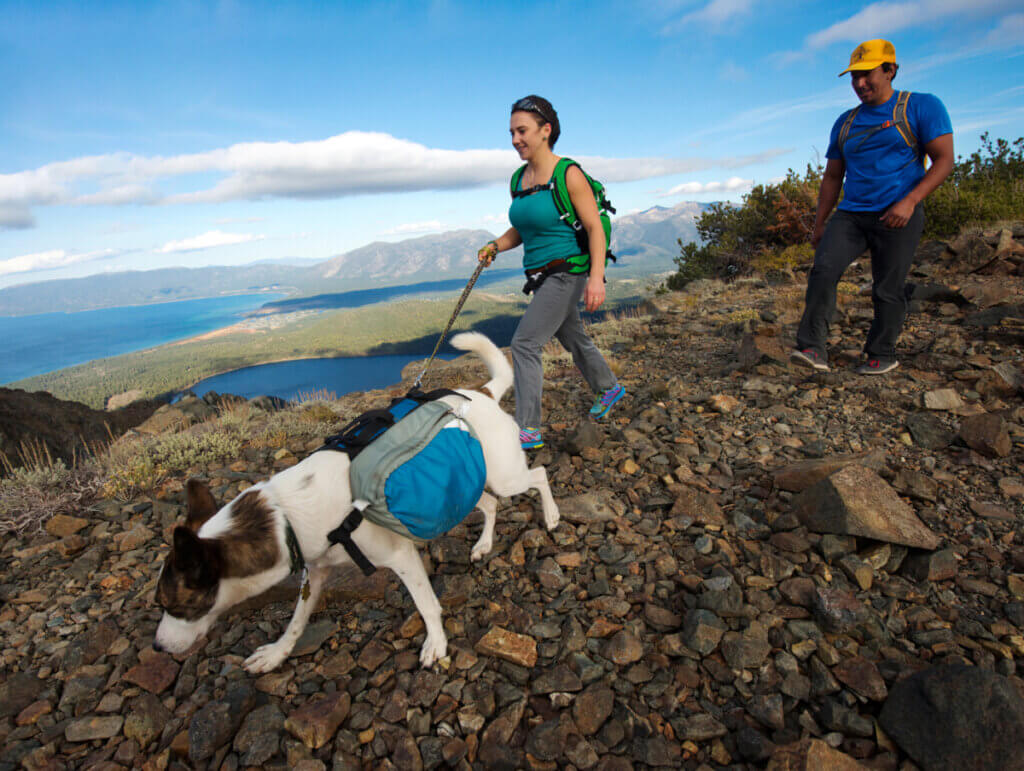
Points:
(220, 558)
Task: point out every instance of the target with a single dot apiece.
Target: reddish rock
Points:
(797, 477)
(87, 729)
(856, 501)
(937, 566)
(33, 712)
(61, 525)
(315, 723)
(592, 707)
(697, 505)
(761, 349)
(154, 673)
(811, 755)
(862, 677)
(510, 646)
(987, 434)
(624, 648)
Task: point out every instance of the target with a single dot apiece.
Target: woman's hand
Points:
(488, 252)
(593, 293)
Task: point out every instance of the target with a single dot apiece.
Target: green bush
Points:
(988, 186)
(771, 218)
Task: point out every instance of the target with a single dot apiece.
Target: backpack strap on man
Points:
(844, 131)
(902, 123)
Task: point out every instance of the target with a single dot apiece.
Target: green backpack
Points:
(579, 263)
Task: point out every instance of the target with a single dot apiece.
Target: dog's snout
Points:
(157, 647)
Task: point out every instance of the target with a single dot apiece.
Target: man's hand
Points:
(487, 252)
(593, 294)
(819, 231)
(899, 214)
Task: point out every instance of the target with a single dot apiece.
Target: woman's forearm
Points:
(510, 239)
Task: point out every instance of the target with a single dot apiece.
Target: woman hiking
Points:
(548, 244)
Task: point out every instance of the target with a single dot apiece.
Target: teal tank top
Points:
(545, 236)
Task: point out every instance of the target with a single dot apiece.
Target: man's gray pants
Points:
(553, 312)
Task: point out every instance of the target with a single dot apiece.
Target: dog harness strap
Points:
(342, 535)
(294, 550)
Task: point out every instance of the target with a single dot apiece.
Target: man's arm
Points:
(828, 196)
(940, 151)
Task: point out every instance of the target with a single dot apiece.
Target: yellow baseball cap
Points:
(870, 54)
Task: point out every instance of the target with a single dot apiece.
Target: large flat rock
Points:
(797, 477)
(856, 501)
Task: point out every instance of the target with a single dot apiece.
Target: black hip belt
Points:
(536, 276)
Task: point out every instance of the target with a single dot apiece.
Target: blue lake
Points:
(32, 345)
(303, 377)
(44, 342)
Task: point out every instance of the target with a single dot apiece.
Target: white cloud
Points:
(51, 260)
(884, 18)
(731, 185)
(732, 72)
(353, 163)
(1010, 32)
(431, 226)
(714, 14)
(210, 240)
(238, 220)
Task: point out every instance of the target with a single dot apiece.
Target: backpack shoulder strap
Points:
(899, 118)
(560, 192)
(844, 131)
(516, 176)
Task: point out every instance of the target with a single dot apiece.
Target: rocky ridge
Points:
(757, 567)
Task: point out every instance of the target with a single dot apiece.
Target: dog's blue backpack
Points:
(416, 468)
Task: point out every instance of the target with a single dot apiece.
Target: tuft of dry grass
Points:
(30, 495)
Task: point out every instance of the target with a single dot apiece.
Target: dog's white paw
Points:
(481, 549)
(552, 520)
(265, 659)
(433, 650)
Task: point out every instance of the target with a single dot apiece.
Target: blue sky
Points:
(146, 135)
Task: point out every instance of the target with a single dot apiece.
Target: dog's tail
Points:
(497, 365)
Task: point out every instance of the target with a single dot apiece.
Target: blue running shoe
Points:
(530, 439)
(607, 401)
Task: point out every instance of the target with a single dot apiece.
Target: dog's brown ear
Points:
(201, 505)
(192, 559)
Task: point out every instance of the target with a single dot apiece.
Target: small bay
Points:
(291, 380)
(33, 345)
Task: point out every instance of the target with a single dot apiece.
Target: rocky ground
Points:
(757, 566)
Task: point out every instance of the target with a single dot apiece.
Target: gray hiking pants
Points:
(553, 312)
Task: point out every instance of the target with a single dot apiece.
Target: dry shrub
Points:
(141, 464)
(317, 412)
(30, 495)
(771, 262)
(741, 315)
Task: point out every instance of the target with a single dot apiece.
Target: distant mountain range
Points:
(645, 242)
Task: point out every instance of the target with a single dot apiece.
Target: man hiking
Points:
(876, 157)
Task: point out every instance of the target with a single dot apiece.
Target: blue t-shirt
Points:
(545, 235)
(881, 168)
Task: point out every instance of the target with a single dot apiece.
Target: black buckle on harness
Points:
(342, 536)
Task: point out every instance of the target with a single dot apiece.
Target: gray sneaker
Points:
(877, 366)
(808, 357)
